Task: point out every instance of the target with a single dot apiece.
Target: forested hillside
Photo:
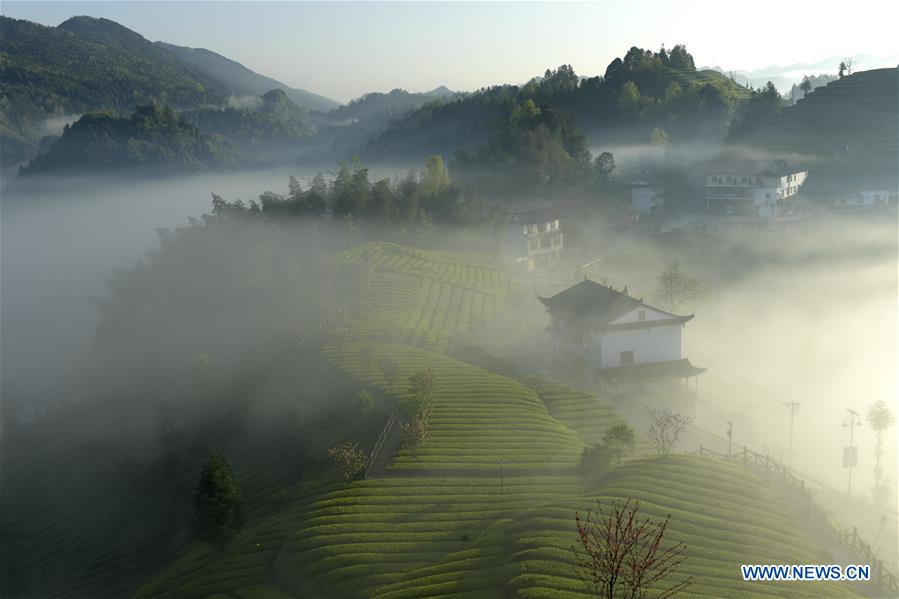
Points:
(850, 123)
(241, 81)
(153, 138)
(85, 64)
(640, 92)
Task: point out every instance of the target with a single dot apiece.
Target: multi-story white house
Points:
(616, 338)
(750, 190)
(534, 237)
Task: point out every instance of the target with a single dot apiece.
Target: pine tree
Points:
(217, 512)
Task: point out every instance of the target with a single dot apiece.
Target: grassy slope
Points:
(442, 521)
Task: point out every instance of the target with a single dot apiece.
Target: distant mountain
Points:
(53, 74)
(361, 120)
(241, 80)
(263, 129)
(381, 105)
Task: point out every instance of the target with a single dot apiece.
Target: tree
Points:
(629, 97)
(217, 507)
(658, 137)
(842, 69)
(415, 432)
(666, 428)
(676, 287)
(681, 59)
(620, 440)
(620, 555)
(417, 403)
(348, 459)
(390, 368)
(847, 65)
(594, 462)
(805, 86)
(366, 402)
(880, 418)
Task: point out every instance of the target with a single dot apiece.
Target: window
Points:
(557, 224)
(768, 196)
(627, 358)
(730, 179)
(525, 229)
(641, 315)
(532, 244)
(544, 243)
(557, 240)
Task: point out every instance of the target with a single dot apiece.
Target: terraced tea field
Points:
(422, 297)
(485, 508)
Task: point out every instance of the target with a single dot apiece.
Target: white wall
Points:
(655, 344)
(634, 315)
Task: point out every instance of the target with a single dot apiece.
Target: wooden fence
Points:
(379, 444)
(776, 472)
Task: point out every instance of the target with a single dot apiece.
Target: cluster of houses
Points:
(766, 195)
(737, 195)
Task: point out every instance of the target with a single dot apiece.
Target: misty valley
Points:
(617, 333)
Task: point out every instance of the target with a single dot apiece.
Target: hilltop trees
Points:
(530, 145)
(217, 506)
(411, 201)
(620, 555)
(152, 137)
(763, 105)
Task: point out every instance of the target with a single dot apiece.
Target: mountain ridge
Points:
(243, 80)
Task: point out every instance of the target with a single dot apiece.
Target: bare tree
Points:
(675, 286)
(620, 556)
(848, 63)
(666, 428)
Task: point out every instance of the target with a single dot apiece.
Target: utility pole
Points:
(730, 435)
(850, 455)
(791, 407)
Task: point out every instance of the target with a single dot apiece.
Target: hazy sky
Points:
(344, 49)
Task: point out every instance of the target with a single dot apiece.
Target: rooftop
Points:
(534, 215)
(598, 301)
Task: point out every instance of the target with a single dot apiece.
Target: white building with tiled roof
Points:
(616, 337)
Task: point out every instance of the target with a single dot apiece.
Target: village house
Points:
(853, 192)
(752, 189)
(534, 238)
(644, 197)
(614, 338)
